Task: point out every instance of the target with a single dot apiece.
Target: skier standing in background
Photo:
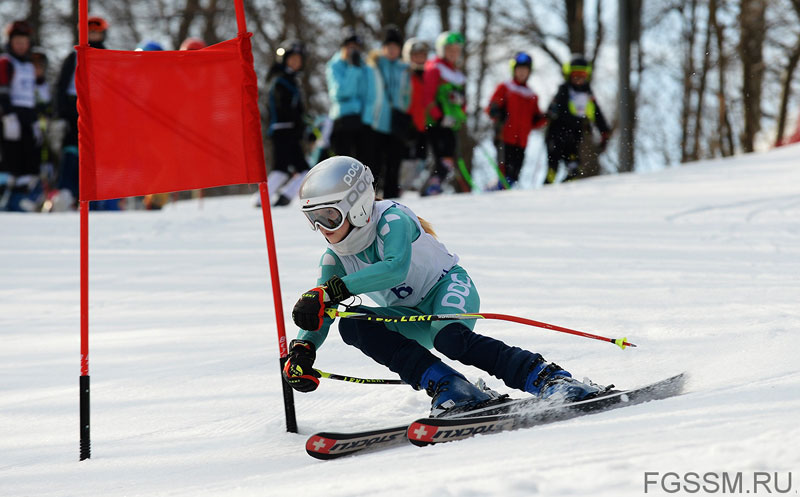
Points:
(19, 151)
(415, 54)
(391, 122)
(573, 114)
(384, 250)
(352, 93)
(445, 105)
(286, 122)
(66, 108)
(514, 108)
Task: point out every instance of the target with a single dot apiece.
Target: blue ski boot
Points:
(550, 382)
(450, 390)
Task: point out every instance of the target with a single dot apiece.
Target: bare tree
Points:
(788, 76)
(725, 133)
(753, 30)
(576, 38)
(689, 33)
(699, 111)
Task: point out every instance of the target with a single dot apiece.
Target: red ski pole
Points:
(334, 313)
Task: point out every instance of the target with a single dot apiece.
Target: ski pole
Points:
(351, 379)
(334, 313)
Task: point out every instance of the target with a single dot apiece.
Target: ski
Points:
(330, 445)
(527, 413)
(508, 415)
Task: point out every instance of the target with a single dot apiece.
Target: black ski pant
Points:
(410, 360)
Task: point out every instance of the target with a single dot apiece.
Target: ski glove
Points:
(299, 369)
(309, 311)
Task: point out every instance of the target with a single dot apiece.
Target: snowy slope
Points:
(698, 265)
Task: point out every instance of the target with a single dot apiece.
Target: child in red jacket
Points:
(514, 108)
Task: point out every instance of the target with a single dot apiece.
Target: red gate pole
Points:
(283, 349)
(85, 441)
(86, 450)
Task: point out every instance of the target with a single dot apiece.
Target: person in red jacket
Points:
(415, 54)
(514, 108)
(445, 107)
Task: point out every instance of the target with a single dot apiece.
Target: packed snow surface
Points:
(697, 265)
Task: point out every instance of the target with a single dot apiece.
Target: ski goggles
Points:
(327, 217)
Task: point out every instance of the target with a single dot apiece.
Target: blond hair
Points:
(426, 226)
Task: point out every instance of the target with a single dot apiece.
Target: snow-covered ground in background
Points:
(698, 265)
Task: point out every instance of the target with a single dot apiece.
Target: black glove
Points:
(299, 369)
(309, 310)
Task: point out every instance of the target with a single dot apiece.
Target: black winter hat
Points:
(392, 35)
(352, 36)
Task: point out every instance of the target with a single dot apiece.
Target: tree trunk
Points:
(689, 33)
(726, 146)
(575, 28)
(443, 6)
(483, 64)
(786, 84)
(701, 92)
(35, 20)
(190, 11)
(753, 31)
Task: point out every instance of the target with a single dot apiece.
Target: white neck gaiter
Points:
(359, 238)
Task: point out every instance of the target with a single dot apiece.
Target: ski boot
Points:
(451, 391)
(550, 382)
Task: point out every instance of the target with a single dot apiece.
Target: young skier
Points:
(287, 127)
(445, 104)
(391, 122)
(66, 100)
(572, 114)
(19, 152)
(514, 108)
(382, 249)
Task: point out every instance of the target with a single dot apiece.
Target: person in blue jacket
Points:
(391, 122)
(351, 91)
(384, 250)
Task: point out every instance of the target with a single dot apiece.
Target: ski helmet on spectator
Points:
(336, 189)
(412, 46)
(448, 38)
(192, 44)
(97, 23)
(578, 63)
(289, 47)
(149, 46)
(521, 59)
(18, 28)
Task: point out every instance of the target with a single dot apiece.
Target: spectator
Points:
(286, 122)
(191, 43)
(66, 108)
(445, 105)
(42, 130)
(351, 92)
(514, 108)
(572, 114)
(391, 121)
(415, 54)
(20, 154)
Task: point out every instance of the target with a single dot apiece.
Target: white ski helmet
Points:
(336, 189)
